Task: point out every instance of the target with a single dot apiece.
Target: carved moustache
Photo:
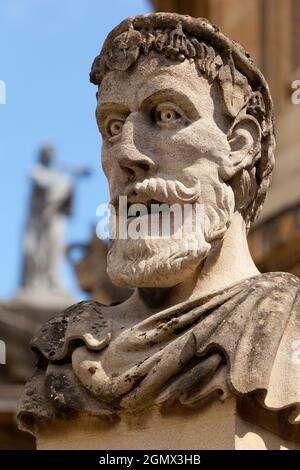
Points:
(159, 190)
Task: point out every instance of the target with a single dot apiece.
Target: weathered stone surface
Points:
(214, 426)
(186, 118)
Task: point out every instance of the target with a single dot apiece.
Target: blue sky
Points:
(46, 49)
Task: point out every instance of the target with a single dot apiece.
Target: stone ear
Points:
(244, 139)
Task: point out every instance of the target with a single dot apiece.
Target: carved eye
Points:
(167, 114)
(114, 126)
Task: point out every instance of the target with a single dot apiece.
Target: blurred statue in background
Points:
(50, 206)
(42, 290)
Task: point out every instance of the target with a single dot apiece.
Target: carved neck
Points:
(227, 264)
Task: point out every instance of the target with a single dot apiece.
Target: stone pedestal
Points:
(216, 427)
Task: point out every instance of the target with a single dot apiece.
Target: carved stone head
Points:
(185, 118)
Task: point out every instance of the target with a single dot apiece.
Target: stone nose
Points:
(131, 158)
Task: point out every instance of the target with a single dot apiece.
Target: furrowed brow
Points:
(107, 108)
(176, 96)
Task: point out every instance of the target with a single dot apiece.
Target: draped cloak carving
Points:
(242, 341)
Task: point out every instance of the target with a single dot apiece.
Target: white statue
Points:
(50, 207)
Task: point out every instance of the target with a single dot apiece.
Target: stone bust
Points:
(185, 116)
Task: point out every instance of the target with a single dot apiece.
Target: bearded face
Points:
(154, 258)
(164, 142)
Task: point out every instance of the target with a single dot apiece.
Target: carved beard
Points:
(163, 262)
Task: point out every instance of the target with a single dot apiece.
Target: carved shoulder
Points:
(84, 322)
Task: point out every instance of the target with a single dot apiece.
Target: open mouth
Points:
(144, 216)
(137, 205)
(149, 207)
